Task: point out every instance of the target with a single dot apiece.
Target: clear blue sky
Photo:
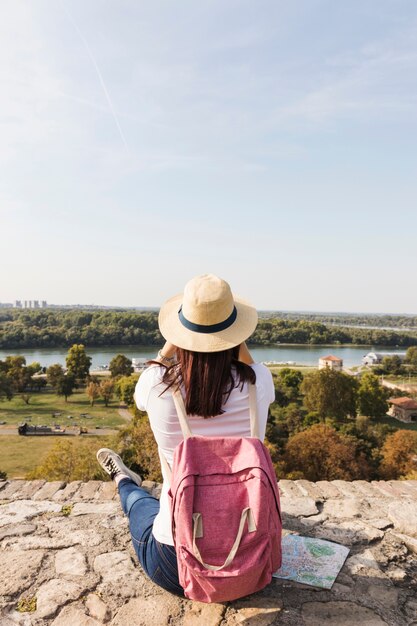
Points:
(272, 143)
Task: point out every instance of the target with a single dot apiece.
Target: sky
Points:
(272, 143)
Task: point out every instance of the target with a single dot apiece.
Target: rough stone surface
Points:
(404, 516)
(298, 506)
(198, 613)
(148, 611)
(80, 564)
(70, 562)
(339, 614)
(55, 593)
(73, 616)
(97, 608)
(21, 510)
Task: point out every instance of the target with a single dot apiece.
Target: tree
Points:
(125, 388)
(54, 373)
(287, 385)
(411, 358)
(391, 365)
(65, 386)
(78, 363)
(120, 365)
(93, 391)
(6, 388)
(70, 461)
(372, 397)
(399, 454)
(330, 393)
(321, 453)
(106, 390)
(19, 375)
(139, 449)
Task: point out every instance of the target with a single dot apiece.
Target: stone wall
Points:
(68, 546)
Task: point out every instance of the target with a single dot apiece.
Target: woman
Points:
(205, 356)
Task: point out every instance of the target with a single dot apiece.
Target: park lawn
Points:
(44, 403)
(305, 369)
(20, 455)
(391, 421)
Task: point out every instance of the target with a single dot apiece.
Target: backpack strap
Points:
(182, 415)
(186, 430)
(253, 411)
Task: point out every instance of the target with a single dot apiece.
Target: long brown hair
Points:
(208, 379)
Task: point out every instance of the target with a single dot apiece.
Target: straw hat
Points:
(207, 317)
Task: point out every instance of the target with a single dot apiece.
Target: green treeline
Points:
(51, 328)
(405, 322)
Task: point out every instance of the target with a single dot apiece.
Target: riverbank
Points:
(294, 354)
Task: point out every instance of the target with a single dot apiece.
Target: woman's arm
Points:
(245, 355)
(166, 355)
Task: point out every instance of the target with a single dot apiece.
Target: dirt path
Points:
(125, 414)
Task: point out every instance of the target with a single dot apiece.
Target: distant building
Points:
(17, 304)
(139, 364)
(403, 409)
(332, 362)
(372, 358)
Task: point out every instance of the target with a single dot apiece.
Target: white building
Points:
(332, 362)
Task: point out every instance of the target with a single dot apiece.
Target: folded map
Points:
(311, 561)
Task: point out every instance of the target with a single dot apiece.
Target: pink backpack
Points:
(226, 518)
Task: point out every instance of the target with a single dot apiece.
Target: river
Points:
(297, 354)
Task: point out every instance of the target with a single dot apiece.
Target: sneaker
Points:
(114, 466)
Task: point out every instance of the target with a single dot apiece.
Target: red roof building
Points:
(403, 409)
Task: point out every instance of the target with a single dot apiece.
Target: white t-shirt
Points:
(234, 422)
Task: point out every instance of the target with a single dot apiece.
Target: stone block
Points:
(327, 489)
(365, 487)
(18, 569)
(255, 610)
(346, 488)
(364, 565)
(68, 493)
(48, 490)
(347, 532)
(199, 613)
(108, 491)
(404, 516)
(309, 489)
(20, 510)
(409, 542)
(53, 594)
(17, 530)
(339, 614)
(113, 565)
(153, 611)
(89, 490)
(298, 507)
(11, 488)
(74, 616)
(70, 562)
(29, 489)
(346, 508)
(95, 508)
(97, 608)
(289, 488)
(386, 489)
(148, 485)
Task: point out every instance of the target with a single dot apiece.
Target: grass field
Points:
(19, 455)
(391, 421)
(43, 404)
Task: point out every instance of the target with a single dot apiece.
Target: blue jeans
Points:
(158, 560)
